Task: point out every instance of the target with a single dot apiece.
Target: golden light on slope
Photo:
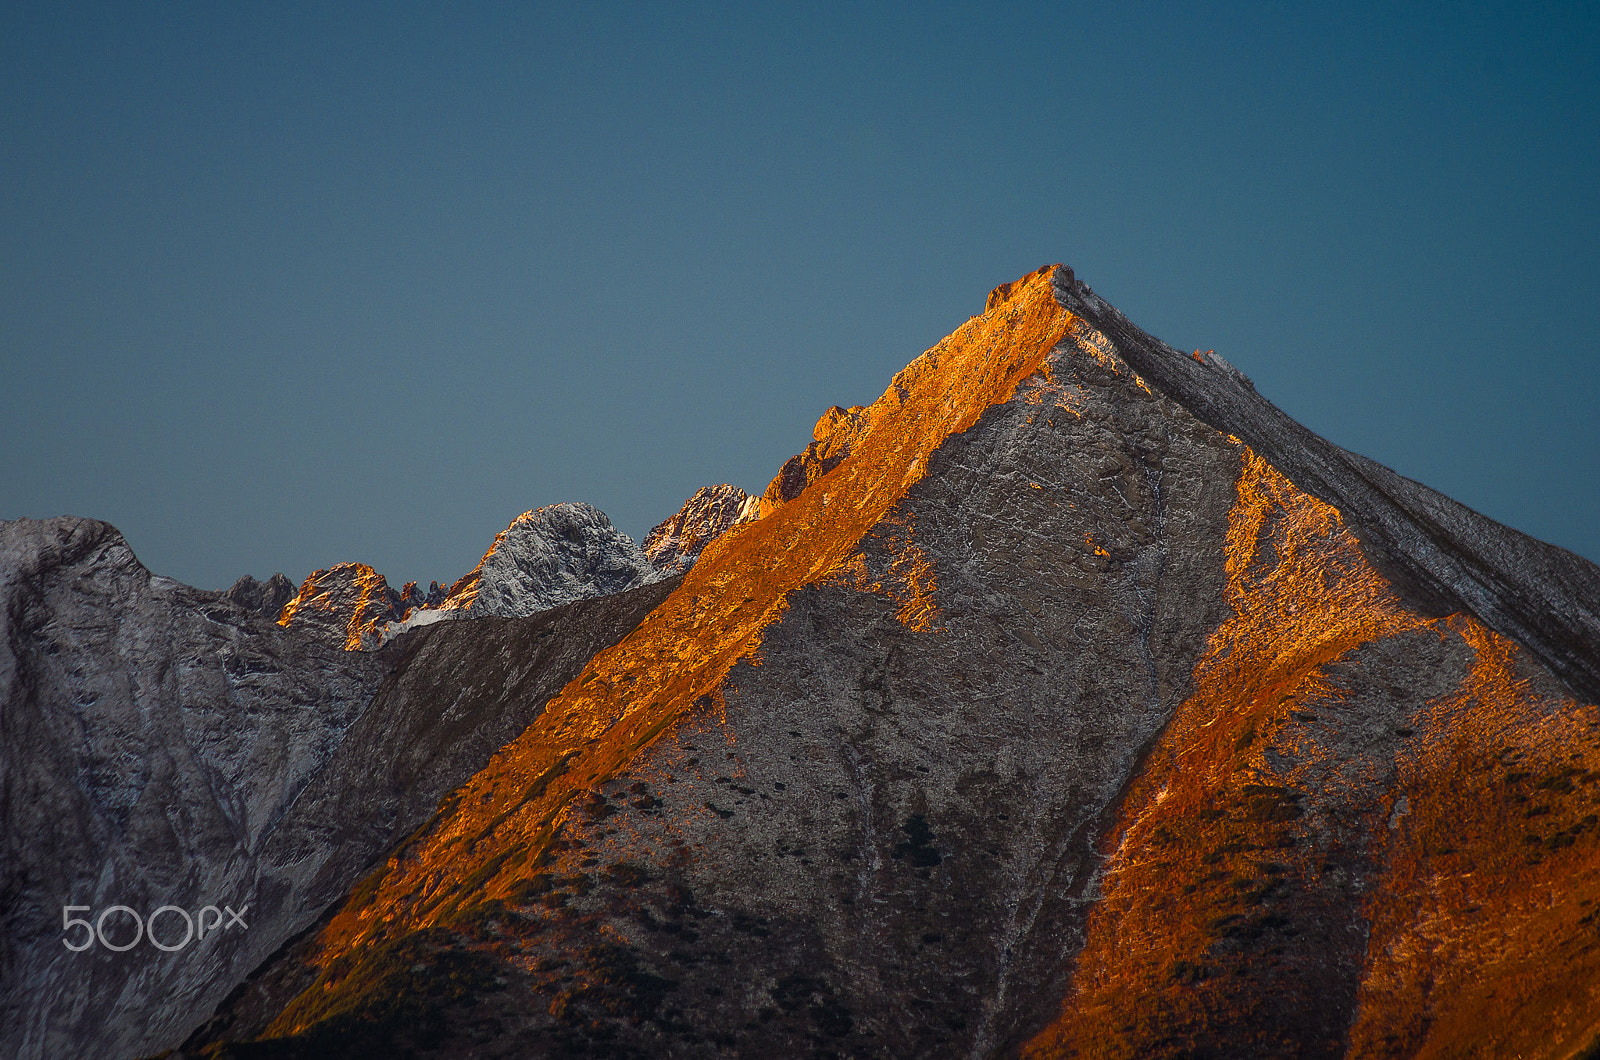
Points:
(1300, 776)
(1484, 933)
(1208, 812)
(497, 825)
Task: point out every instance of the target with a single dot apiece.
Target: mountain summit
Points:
(1067, 700)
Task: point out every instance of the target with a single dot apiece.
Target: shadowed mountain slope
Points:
(162, 745)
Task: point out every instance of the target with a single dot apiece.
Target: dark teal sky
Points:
(287, 285)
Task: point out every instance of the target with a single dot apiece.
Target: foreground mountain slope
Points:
(151, 737)
(459, 691)
(162, 745)
(1054, 717)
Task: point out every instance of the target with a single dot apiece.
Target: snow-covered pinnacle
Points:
(675, 544)
(552, 556)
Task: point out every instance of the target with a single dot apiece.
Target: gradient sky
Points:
(283, 286)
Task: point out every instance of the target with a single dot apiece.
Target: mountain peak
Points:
(346, 603)
(676, 543)
(551, 556)
(1067, 699)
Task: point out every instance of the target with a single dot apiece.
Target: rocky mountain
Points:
(262, 598)
(151, 737)
(1069, 700)
(551, 556)
(162, 746)
(345, 604)
(675, 544)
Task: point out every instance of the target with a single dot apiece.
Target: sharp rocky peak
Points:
(346, 604)
(551, 556)
(677, 542)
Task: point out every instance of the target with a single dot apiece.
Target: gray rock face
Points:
(162, 745)
(893, 821)
(152, 736)
(1536, 593)
(677, 542)
(548, 557)
(262, 598)
(460, 692)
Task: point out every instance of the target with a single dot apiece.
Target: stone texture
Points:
(347, 604)
(151, 738)
(1441, 552)
(675, 544)
(548, 557)
(161, 745)
(831, 439)
(266, 599)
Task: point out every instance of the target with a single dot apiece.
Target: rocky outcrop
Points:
(346, 604)
(548, 557)
(836, 431)
(676, 543)
(1077, 708)
(262, 598)
(413, 598)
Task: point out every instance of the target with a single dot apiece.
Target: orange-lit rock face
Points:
(346, 602)
(684, 650)
(1483, 925)
(1317, 858)
(836, 431)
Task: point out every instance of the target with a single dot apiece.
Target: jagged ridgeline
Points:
(1068, 700)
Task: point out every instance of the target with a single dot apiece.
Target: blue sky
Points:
(287, 285)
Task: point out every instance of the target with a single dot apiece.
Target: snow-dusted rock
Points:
(676, 543)
(548, 557)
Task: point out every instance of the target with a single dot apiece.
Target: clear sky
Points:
(287, 285)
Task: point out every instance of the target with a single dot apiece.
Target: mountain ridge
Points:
(1451, 558)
